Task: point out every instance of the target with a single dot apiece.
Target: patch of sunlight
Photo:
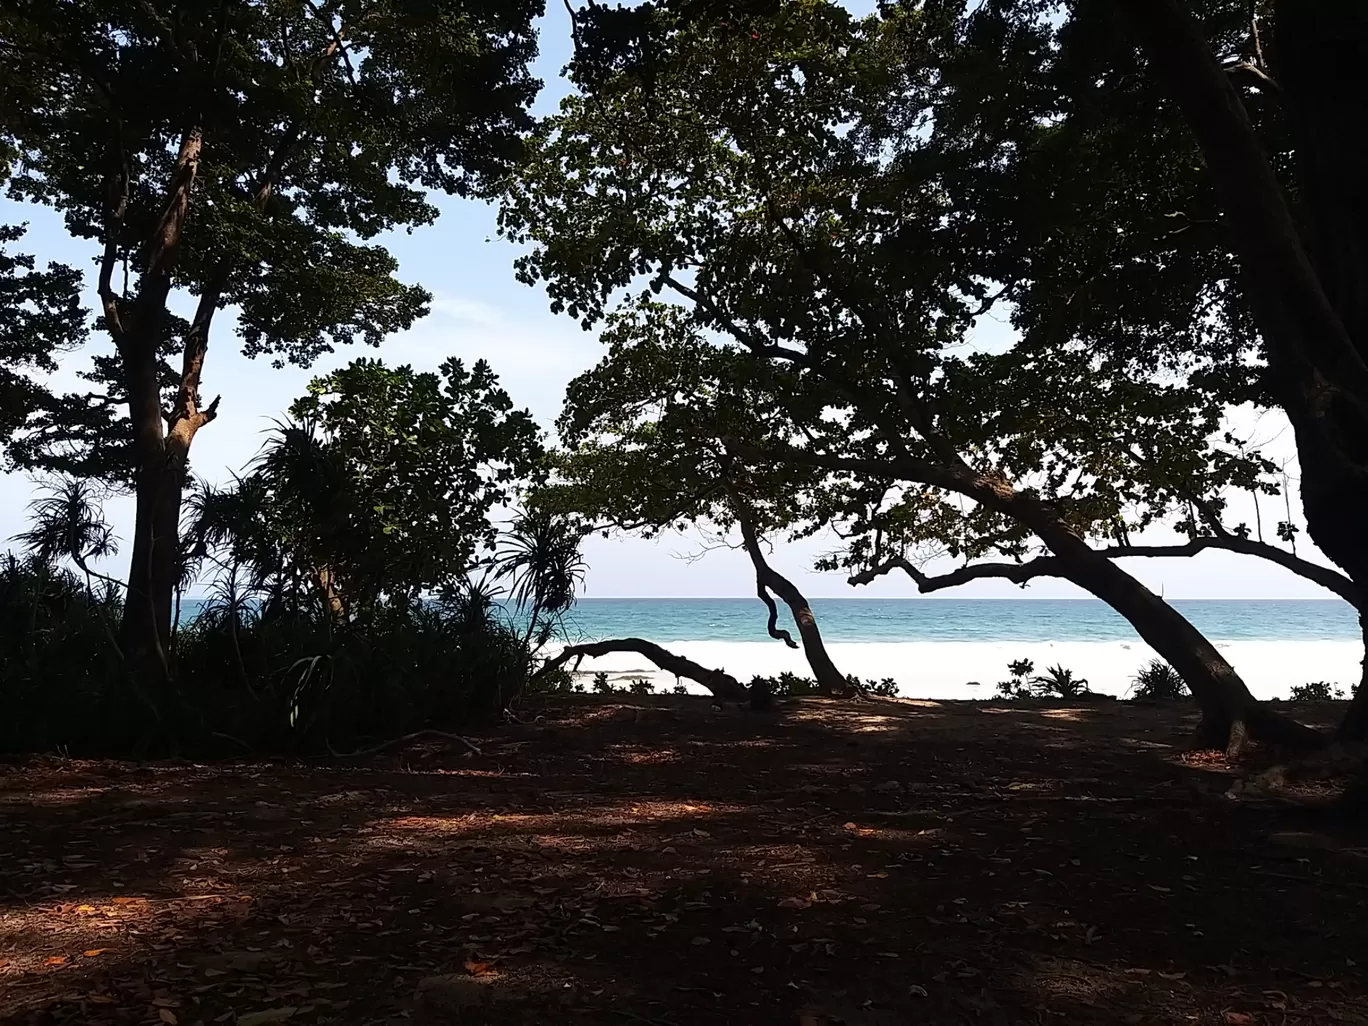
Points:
(1069, 715)
(614, 816)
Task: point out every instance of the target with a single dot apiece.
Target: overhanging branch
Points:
(1049, 566)
(719, 682)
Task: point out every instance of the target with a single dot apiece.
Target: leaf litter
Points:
(759, 867)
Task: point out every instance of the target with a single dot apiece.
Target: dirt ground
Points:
(655, 861)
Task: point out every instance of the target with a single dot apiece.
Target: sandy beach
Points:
(946, 669)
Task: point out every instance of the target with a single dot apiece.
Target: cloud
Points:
(471, 311)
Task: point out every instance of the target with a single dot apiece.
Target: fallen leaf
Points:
(476, 968)
(100, 999)
(1173, 976)
(270, 1015)
(698, 942)
(55, 960)
(1237, 1018)
(94, 951)
(916, 990)
(122, 900)
(794, 903)
(167, 1016)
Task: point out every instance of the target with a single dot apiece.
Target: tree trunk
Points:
(830, 680)
(1230, 714)
(151, 573)
(161, 441)
(162, 457)
(331, 596)
(1354, 726)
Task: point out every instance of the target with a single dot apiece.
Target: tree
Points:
(241, 152)
(773, 236)
(68, 523)
(540, 559)
(381, 486)
(1298, 224)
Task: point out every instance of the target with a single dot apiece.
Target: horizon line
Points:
(953, 598)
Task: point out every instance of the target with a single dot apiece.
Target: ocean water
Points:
(907, 620)
(960, 648)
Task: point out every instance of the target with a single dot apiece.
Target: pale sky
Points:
(480, 311)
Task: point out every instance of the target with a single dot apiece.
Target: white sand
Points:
(943, 669)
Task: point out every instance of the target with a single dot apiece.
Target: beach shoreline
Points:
(971, 669)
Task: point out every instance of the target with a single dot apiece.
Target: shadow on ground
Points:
(653, 861)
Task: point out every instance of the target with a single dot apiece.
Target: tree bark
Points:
(722, 684)
(830, 680)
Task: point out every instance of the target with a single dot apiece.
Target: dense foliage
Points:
(359, 586)
(247, 154)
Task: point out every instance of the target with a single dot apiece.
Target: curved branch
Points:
(1017, 573)
(719, 682)
(1049, 566)
(1327, 578)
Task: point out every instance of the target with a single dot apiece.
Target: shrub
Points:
(887, 687)
(640, 686)
(1057, 682)
(1317, 691)
(600, 685)
(1157, 681)
(1018, 686)
(786, 685)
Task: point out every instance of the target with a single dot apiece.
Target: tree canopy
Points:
(791, 228)
(381, 484)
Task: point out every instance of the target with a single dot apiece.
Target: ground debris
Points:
(1022, 864)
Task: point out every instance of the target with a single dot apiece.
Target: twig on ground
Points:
(396, 742)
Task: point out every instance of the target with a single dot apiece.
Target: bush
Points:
(1317, 691)
(1157, 681)
(1018, 686)
(1055, 682)
(600, 685)
(887, 687)
(640, 686)
(62, 681)
(264, 675)
(786, 685)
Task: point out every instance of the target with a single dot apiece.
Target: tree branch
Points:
(904, 468)
(1049, 566)
(1256, 75)
(1017, 573)
(719, 682)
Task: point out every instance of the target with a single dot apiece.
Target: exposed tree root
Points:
(396, 742)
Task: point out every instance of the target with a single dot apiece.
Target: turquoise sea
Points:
(906, 620)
